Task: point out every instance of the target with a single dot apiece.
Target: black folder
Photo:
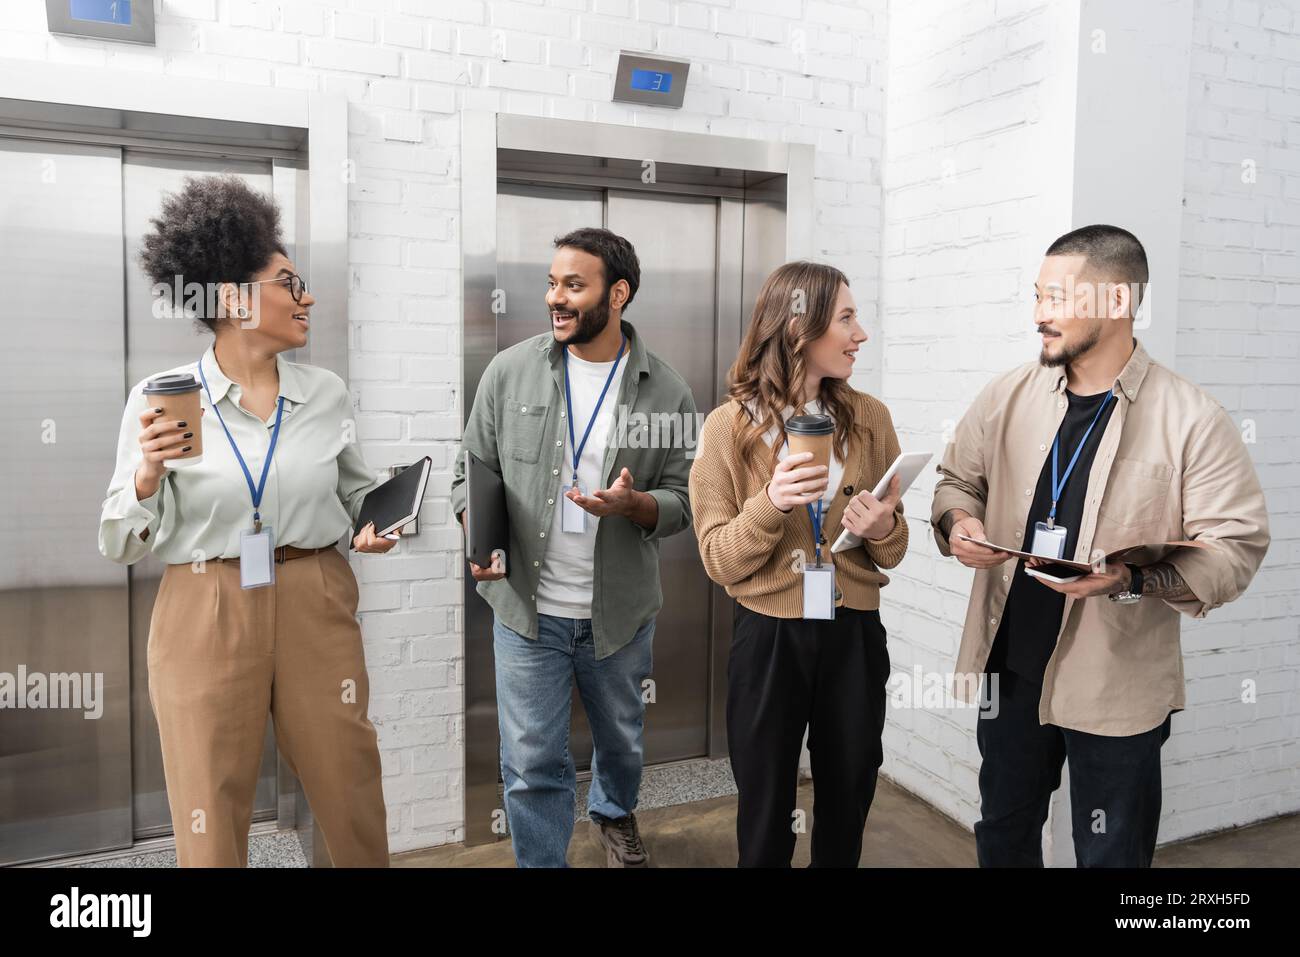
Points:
(487, 526)
(397, 501)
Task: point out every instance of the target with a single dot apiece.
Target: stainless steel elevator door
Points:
(79, 331)
(154, 343)
(529, 218)
(65, 783)
(675, 311)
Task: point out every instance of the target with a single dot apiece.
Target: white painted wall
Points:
(1130, 139)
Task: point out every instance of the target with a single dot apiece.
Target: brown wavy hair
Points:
(770, 369)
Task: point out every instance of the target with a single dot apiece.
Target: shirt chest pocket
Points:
(1136, 492)
(523, 429)
(644, 442)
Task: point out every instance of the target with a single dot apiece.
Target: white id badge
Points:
(1048, 542)
(819, 591)
(573, 519)
(256, 558)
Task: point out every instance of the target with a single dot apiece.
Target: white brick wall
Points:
(789, 70)
(977, 175)
(974, 175)
(1239, 338)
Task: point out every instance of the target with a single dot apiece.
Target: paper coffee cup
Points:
(178, 396)
(811, 433)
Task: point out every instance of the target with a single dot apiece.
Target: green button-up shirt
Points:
(517, 429)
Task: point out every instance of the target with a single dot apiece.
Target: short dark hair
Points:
(216, 229)
(1113, 252)
(616, 253)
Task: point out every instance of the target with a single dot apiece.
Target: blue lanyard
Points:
(1059, 487)
(256, 492)
(816, 517)
(568, 404)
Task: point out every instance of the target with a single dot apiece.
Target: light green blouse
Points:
(314, 489)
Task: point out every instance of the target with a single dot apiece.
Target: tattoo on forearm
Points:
(1163, 581)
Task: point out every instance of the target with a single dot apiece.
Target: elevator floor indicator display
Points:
(102, 11)
(650, 80)
(130, 21)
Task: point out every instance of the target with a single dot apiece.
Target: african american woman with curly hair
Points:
(279, 638)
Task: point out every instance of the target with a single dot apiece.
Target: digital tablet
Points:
(907, 467)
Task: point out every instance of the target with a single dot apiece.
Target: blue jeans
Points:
(534, 690)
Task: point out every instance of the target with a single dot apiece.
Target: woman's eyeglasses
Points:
(296, 285)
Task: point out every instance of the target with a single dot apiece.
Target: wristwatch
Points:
(1133, 592)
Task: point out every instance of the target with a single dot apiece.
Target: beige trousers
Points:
(223, 658)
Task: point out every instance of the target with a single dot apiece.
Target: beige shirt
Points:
(1171, 466)
(314, 488)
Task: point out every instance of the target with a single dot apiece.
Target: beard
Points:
(1071, 352)
(587, 325)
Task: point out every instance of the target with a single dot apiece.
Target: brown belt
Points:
(285, 553)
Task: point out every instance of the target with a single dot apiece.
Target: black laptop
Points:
(487, 526)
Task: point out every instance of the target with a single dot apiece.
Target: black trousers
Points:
(785, 675)
(1114, 785)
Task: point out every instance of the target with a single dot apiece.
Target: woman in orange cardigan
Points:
(801, 658)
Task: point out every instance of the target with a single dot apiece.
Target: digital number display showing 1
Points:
(102, 11)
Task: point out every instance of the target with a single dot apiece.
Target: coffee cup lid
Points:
(815, 424)
(173, 384)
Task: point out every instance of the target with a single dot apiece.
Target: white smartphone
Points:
(1047, 576)
(907, 467)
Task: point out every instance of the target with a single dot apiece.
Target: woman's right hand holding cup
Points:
(160, 440)
(794, 482)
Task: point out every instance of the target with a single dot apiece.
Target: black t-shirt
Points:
(1032, 617)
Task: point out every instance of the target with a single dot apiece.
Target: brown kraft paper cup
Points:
(178, 396)
(811, 433)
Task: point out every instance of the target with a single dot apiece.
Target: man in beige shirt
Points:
(1093, 448)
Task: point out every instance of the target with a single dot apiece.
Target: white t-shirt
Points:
(836, 466)
(565, 580)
